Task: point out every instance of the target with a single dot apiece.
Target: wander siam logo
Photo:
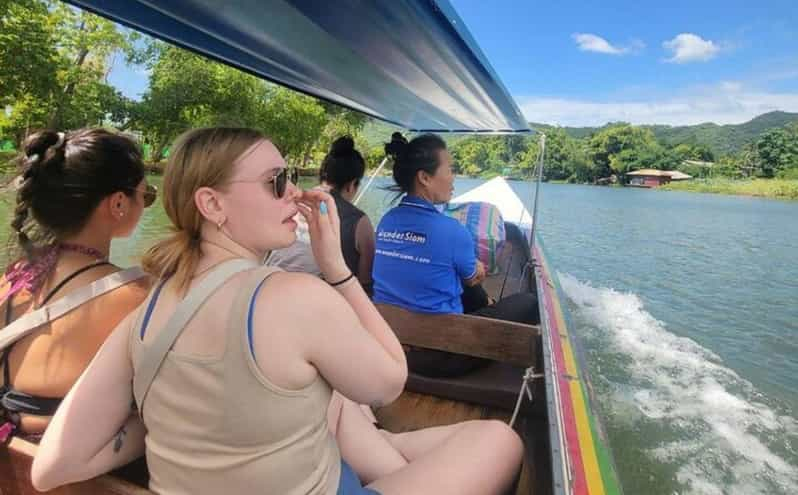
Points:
(402, 237)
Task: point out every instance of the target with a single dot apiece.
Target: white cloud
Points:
(592, 43)
(724, 103)
(688, 47)
(731, 86)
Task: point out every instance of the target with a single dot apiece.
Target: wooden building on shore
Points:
(649, 177)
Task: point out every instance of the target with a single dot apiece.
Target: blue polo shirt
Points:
(421, 258)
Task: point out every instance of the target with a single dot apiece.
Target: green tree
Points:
(28, 52)
(777, 150)
(60, 58)
(189, 91)
(621, 148)
(86, 43)
(343, 122)
(294, 122)
(470, 156)
(692, 151)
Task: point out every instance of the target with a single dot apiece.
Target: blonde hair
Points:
(199, 158)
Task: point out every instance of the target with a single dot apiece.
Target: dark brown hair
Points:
(66, 175)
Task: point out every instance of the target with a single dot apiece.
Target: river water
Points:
(687, 307)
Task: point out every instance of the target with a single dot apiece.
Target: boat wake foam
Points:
(720, 437)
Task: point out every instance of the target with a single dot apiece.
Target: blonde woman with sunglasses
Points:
(78, 190)
(231, 365)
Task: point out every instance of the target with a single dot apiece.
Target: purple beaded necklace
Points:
(31, 275)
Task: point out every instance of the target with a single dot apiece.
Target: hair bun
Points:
(344, 144)
(38, 144)
(396, 146)
(39, 151)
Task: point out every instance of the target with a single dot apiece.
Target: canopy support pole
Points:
(537, 188)
(368, 184)
(529, 265)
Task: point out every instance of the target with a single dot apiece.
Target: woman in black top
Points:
(342, 170)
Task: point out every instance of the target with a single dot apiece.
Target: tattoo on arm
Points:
(120, 438)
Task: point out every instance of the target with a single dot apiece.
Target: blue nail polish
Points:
(323, 208)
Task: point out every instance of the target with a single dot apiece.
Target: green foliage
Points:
(187, 91)
(767, 188)
(623, 148)
(294, 122)
(789, 174)
(28, 52)
(720, 140)
(777, 151)
(59, 57)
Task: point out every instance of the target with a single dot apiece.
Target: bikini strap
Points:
(71, 276)
(29, 322)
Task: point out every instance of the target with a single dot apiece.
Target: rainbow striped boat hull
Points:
(580, 453)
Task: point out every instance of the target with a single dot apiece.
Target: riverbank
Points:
(764, 188)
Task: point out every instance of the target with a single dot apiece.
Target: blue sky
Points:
(645, 62)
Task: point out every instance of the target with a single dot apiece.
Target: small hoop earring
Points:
(220, 223)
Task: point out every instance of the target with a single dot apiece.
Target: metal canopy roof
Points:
(412, 63)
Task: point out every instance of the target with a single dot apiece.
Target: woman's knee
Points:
(502, 438)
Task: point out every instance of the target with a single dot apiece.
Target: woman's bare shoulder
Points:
(298, 295)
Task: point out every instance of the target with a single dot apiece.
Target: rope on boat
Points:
(529, 375)
(368, 184)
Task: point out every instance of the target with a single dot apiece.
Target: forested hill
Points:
(721, 139)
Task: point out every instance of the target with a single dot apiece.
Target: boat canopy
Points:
(411, 63)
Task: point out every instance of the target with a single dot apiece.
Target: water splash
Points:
(721, 437)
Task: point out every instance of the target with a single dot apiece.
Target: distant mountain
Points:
(721, 139)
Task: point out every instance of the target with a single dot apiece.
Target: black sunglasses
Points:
(280, 182)
(150, 193)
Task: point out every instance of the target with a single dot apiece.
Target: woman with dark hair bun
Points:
(342, 170)
(78, 190)
(340, 174)
(425, 260)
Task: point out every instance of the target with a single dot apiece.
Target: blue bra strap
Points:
(250, 314)
(151, 306)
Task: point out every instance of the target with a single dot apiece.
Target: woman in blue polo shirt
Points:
(423, 258)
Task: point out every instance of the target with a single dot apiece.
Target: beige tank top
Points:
(219, 426)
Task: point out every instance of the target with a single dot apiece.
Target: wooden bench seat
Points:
(514, 347)
(499, 340)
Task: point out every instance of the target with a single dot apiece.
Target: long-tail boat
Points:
(414, 64)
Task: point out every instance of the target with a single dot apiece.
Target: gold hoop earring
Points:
(220, 223)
